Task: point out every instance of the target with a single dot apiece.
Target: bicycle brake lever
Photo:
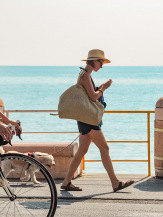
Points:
(19, 135)
(10, 142)
(19, 132)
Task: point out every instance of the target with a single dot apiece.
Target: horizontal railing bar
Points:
(78, 132)
(47, 132)
(117, 161)
(31, 111)
(127, 141)
(57, 111)
(129, 111)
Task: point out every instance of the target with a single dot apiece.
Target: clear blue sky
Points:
(61, 32)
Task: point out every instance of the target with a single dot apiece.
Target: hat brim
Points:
(95, 58)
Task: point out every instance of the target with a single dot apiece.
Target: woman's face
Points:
(98, 65)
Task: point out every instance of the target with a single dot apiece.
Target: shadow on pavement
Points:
(151, 184)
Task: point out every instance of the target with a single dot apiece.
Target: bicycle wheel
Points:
(30, 199)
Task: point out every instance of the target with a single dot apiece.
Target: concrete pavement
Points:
(143, 198)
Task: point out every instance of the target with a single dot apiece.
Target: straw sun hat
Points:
(96, 54)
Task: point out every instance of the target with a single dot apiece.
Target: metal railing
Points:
(84, 160)
(145, 141)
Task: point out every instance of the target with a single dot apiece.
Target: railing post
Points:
(148, 135)
(83, 164)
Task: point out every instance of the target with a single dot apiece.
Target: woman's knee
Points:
(104, 148)
(83, 150)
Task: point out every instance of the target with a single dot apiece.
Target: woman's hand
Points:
(5, 132)
(17, 127)
(106, 85)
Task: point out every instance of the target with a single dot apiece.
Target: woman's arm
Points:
(87, 84)
(106, 85)
(4, 119)
(7, 121)
(94, 95)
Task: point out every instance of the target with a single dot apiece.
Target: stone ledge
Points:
(62, 159)
(49, 148)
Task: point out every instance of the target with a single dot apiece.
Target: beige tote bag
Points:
(75, 104)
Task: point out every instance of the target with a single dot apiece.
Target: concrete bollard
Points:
(158, 139)
(2, 107)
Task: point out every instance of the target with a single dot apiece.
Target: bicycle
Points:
(23, 198)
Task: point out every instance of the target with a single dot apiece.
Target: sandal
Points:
(71, 188)
(125, 185)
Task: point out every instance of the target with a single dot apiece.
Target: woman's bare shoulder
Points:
(86, 80)
(83, 77)
(86, 75)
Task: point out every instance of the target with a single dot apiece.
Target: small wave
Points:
(36, 80)
(136, 81)
(139, 81)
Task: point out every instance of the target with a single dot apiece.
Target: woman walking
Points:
(90, 133)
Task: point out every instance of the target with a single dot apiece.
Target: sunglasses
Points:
(101, 62)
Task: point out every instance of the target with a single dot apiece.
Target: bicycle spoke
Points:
(18, 192)
(8, 209)
(29, 199)
(14, 208)
(20, 176)
(32, 207)
(17, 208)
(29, 191)
(5, 206)
(4, 194)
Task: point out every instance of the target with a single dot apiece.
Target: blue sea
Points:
(133, 88)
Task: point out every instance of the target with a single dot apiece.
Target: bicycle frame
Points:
(5, 185)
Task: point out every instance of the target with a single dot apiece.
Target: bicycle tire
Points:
(31, 199)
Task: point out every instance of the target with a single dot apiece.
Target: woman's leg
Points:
(84, 143)
(98, 138)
